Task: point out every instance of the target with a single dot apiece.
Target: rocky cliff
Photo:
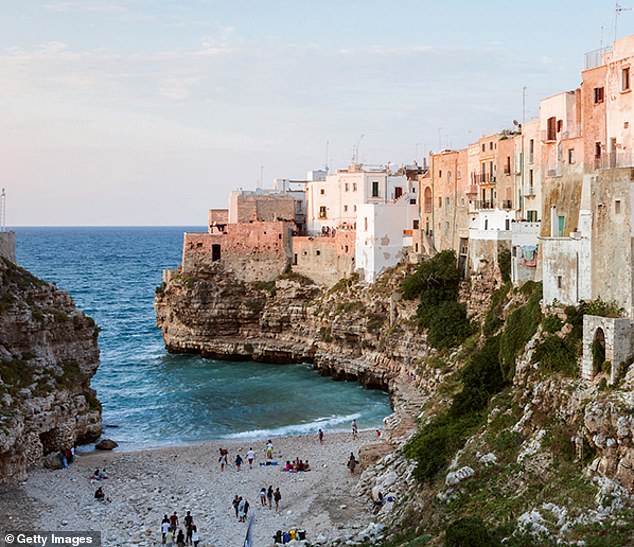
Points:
(516, 448)
(48, 353)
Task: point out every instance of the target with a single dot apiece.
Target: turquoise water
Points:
(152, 398)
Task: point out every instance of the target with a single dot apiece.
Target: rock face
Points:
(48, 353)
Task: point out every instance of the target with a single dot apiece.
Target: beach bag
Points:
(301, 534)
(286, 537)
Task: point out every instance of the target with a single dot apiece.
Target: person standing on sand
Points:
(321, 437)
(180, 539)
(195, 536)
(238, 462)
(174, 523)
(263, 496)
(269, 450)
(235, 503)
(165, 528)
(189, 522)
(250, 457)
(241, 509)
(269, 496)
(277, 497)
(355, 430)
(352, 463)
(223, 458)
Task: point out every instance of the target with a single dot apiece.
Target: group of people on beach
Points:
(66, 456)
(98, 475)
(297, 465)
(267, 496)
(223, 458)
(172, 533)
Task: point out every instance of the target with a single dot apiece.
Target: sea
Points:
(152, 398)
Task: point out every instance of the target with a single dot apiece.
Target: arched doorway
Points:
(598, 351)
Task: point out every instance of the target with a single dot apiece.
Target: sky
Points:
(148, 112)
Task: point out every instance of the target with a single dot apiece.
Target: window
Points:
(354, 208)
(486, 223)
(415, 224)
(215, 252)
(447, 202)
(491, 145)
(559, 282)
(345, 249)
(598, 95)
(346, 187)
(318, 252)
(322, 191)
(531, 216)
(597, 150)
(322, 212)
(375, 188)
(448, 177)
(354, 186)
(365, 224)
(561, 223)
(551, 129)
(507, 224)
(571, 155)
(560, 125)
(398, 192)
(617, 206)
(507, 166)
(295, 259)
(625, 79)
(531, 151)
(345, 208)
(484, 147)
(440, 173)
(440, 203)
(446, 229)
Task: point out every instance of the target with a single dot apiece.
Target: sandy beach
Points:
(145, 485)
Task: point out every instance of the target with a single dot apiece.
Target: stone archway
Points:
(605, 339)
(598, 351)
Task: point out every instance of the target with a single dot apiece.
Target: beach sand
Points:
(145, 485)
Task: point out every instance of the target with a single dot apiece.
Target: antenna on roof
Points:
(3, 211)
(355, 150)
(617, 11)
(326, 165)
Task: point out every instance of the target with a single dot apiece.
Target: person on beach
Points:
(321, 437)
(195, 536)
(352, 463)
(250, 457)
(223, 458)
(62, 458)
(165, 528)
(246, 510)
(269, 450)
(355, 430)
(99, 494)
(173, 523)
(180, 539)
(235, 503)
(189, 522)
(238, 462)
(277, 497)
(269, 496)
(241, 509)
(263, 496)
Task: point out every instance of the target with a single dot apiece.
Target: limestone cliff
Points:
(48, 353)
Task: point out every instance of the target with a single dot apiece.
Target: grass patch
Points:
(297, 277)
(556, 354)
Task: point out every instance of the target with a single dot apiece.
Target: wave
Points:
(330, 423)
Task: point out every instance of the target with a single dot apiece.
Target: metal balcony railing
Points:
(483, 178)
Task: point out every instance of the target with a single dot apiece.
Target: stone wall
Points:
(258, 251)
(247, 207)
(7, 245)
(324, 259)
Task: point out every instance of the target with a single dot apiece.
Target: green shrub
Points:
(552, 323)
(504, 263)
(469, 532)
(268, 286)
(325, 334)
(493, 319)
(434, 280)
(556, 355)
(349, 306)
(299, 278)
(448, 325)
(520, 327)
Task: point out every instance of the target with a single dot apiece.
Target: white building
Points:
(383, 231)
(333, 203)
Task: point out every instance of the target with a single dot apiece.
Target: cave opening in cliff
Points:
(50, 441)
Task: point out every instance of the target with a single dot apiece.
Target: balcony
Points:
(596, 58)
(616, 159)
(483, 178)
(507, 204)
(472, 190)
(484, 204)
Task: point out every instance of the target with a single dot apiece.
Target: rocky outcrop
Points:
(48, 353)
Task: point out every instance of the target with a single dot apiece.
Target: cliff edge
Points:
(48, 353)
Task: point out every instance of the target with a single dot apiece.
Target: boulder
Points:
(106, 444)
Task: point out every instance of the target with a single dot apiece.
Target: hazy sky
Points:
(147, 112)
